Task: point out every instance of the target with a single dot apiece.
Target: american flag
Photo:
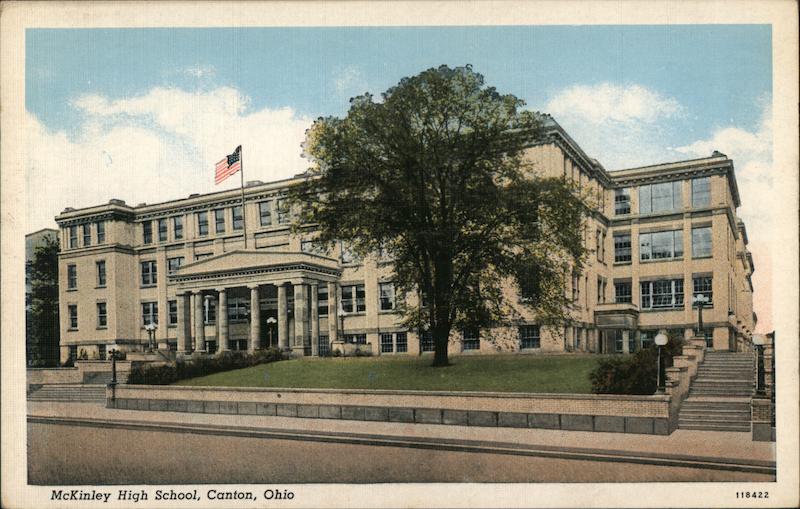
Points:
(229, 165)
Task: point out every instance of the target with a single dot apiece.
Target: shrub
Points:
(199, 366)
(633, 374)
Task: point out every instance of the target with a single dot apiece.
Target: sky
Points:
(143, 114)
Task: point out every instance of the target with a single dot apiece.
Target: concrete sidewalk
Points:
(724, 446)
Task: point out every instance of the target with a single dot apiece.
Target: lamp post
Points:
(758, 341)
(700, 301)
(113, 353)
(661, 340)
(270, 322)
(151, 335)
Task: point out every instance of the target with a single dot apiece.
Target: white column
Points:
(300, 317)
(184, 332)
(283, 319)
(222, 320)
(333, 312)
(199, 325)
(255, 319)
(314, 319)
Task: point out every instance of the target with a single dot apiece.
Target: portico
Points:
(256, 299)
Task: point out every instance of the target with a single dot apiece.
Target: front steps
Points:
(95, 393)
(719, 397)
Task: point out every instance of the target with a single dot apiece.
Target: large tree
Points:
(434, 175)
(42, 328)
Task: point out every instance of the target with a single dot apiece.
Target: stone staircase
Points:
(719, 397)
(95, 393)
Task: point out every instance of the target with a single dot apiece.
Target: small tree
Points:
(42, 327)
(434, 176)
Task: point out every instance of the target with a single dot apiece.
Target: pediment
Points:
(241, 260)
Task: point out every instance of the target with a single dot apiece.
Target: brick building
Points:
(658, 235)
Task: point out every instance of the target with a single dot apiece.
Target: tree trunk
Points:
(440, 340)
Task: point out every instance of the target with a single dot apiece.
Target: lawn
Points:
(501, 373)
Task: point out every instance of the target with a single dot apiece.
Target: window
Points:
(265, 213)
(401, 342)
(701, 192)
(631, 341)
(202, 223)
(310, 246)
(149, 273)
(701, 242)
(648, 338)
(322, 300)
(353, 299)
(662, 294)
(162, 230)
(622, 248)
(472, 339)
(73, 351)
(177, 227)
(622, 201)
(72, 277)
(529, 336)
(102, 317)
(576, 338)
(219, 221)
(174, 264)
(661, 245)
(576, 286)
(703, 285)
(73, 237)
(172, 308)
(386, 291)
(356, 339)
(101, 273)
(147, 232)
(238, 309)
(600, 245)
(622, 292)
(387, 346)
(209, 311)
(324, 346)
(73, 316)
(101, 352)
(283, 211)
(238, 217)
(348, 255)
(618, 340)
(426, 341)
(87, 234)
(149, 313)
(663, 197)
(101, 232)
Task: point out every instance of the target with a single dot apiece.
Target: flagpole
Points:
(241, 174)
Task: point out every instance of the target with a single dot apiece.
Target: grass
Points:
(500, 373)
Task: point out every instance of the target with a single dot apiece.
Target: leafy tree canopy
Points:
(42, 328)
(433, 174)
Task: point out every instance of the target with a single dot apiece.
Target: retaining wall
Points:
(578, 412)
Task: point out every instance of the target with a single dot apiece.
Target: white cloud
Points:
(200, 71)
(607, 102)
(158, 146)
(350, 81)
(622, 126)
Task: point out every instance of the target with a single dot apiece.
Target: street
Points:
(116, 454)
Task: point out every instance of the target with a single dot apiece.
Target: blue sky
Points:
(715, 72)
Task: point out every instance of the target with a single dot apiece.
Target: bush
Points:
(147, 374)
(633, 374)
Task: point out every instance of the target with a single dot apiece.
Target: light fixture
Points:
(661, 338)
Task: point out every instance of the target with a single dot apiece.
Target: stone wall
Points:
(579, 412)
(39, 376)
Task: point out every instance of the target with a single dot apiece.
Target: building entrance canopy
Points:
(240, 268)
(300, 273)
